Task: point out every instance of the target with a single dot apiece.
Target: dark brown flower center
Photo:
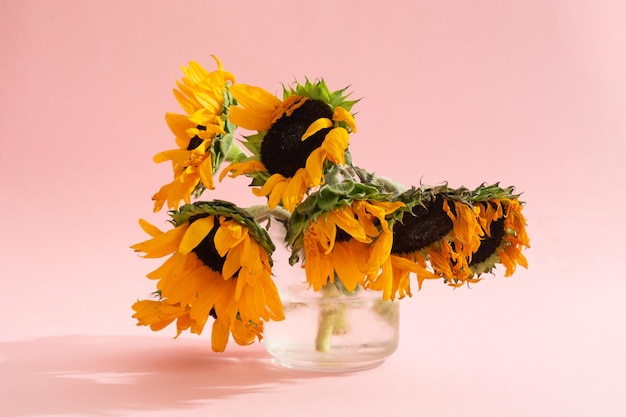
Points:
(205, 251)
(489, 245)
(194, 143)
(283, 151)
(342, 235)
(426, 225)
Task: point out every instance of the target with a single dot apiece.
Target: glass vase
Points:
(331, 330)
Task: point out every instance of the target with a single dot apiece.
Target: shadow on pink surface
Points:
(89, 375)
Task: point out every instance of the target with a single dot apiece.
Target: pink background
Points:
(530, 93)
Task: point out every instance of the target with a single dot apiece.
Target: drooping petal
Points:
(232, 263)
(347, 221)
(315, 165)
(257, 107)
(228, 236)
(379, 251)
(240, 168)
(219, 335)
(161, 245)
(178, 123)
(206, 173)
(342, 115)
(178, 156)
(196, 232)
(149, 228)
(348, 265)
(243, 334)
(336, 143)
(316, 126)
(295, 190)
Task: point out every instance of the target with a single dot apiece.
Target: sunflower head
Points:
(343, 232)
(319, 91)
(500, 216)
(440, 229)
(297, 138)
(203, 135)
(225, 209)
(202, 90)
(219, 266)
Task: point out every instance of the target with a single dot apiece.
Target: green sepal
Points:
(485, 192)
(424, 194)
(253, 143)
(318, 90)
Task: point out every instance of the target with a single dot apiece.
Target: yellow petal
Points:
(163, 244)
(314, 165)
(387, 280)
(178, 124)
(342, 115)
(149, 228)
(316, 126)
(212, 102)
(251, 256)
(232, 263)
(228, 236)
(345, 220)
(206, 173)
(294, 192)
(347, 266)
(196, 232)
(277, 194)
(220, 68)
(242, 334)
(366, 220)
(380, 251)
(336, 143)
(164, 270)
(239, 168)
(207, 297)
(195, 72)
(179, 156)
(219, 335)
(255, 98)
(272, 299)
(257, 107)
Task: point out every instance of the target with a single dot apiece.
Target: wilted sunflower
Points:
(439, 232)
(343, 232)
(500, 216)
(219, 266)
(296, 138)
(203, 134)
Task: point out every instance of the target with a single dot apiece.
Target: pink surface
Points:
(529, 93)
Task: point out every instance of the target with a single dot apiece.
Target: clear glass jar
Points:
(332, 331)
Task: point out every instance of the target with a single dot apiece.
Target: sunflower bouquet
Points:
(349, 229)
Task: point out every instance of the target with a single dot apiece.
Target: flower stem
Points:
(235, 153)
(332, 318)
(325, 329)
(262, 213)
(386, 184)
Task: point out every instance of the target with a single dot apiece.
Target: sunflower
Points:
(203, 135)
(219, 265)
(344, 233)
(201, 90)
(296, 138)
(500, 216)
(435, 239)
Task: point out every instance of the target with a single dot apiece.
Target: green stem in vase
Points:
(325, 329)
(332, 317)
